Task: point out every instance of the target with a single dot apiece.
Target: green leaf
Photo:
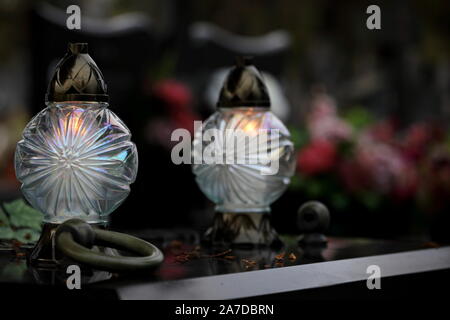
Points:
(14, 270)
(371, 200)
(296, 183)
(4, 221)
(346, 148)
(315, 188)
(299, 137)
(339, 201)
(27, 235)
(6, 233)
(23, 216)
(358, 117)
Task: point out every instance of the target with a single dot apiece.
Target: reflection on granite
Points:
(186, 257)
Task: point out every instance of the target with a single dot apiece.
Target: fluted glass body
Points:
(240, 183)
(76, 160)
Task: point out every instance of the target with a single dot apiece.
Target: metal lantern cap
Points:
(244, 86)
(77, 78)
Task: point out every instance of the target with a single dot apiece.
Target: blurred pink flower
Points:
(174, 93)
(176, 104)
(435, 187)
(380, 167)
(406, 184)
(376, 161)
(323, 121)
(322, 105)
(177, 100)
(329, 128)
(353, 176)
(419, 138)
(383, 131)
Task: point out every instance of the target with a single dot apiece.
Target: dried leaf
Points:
(182, 258)
(280, 256)
(279, 264)
(20, 254)
(220, 254)
(431, 244)
(249, 263)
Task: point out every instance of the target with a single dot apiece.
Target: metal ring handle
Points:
(74, 238)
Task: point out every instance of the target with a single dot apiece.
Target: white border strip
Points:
(285, 279)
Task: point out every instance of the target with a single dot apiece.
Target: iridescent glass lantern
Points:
(75, 159)
(248, 163)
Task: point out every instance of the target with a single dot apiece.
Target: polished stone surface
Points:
(186, 257)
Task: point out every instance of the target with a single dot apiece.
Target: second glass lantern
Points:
(243, 159)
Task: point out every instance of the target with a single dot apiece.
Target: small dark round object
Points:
(313, 216)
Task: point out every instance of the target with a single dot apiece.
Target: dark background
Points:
(158, 58)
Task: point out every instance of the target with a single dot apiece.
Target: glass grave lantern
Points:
(243, 159)
(75, 159)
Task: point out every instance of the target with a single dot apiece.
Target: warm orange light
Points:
(250, 127)
(74, 122)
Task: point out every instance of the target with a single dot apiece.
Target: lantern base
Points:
(242, 229)
(45, 255)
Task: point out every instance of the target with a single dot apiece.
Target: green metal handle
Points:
(75, 238)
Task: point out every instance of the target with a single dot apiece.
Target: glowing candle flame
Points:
(250, 127)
